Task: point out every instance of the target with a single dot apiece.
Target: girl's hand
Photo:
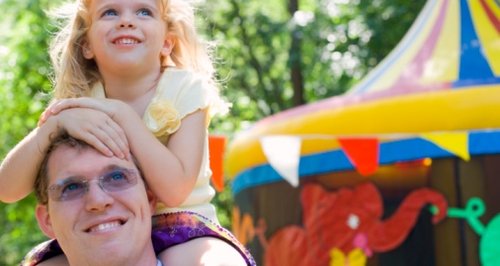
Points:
(108, 106)
(47, 112)
(95, 128)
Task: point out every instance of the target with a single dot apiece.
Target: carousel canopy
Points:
(437, 94)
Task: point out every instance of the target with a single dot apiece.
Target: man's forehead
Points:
(67, 161)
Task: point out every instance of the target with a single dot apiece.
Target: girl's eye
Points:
(144, 12)
(109, 12)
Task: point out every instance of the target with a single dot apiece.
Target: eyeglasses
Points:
(73, 188)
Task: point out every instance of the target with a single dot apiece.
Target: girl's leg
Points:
(188, 238)
(202, 251)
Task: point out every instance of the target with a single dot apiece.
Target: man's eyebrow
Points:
(103, 171)
(68, 179)
(114, 167)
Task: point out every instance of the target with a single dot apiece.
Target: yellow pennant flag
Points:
(454, 142)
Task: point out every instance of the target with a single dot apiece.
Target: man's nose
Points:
(96, 199)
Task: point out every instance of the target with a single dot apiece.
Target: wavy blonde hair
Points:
(74, 75)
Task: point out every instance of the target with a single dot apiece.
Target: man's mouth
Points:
(104, 227)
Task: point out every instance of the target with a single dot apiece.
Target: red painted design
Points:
(347, 219)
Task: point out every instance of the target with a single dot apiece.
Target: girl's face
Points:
(126, 35)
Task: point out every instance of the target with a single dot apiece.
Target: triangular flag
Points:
(216, 145)
(454, 142)
(283, 154)
(362, 153)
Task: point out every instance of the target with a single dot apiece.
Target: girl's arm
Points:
(19, 168)
(172, 170)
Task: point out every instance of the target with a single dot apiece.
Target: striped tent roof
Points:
(443, 77)
(451, 45)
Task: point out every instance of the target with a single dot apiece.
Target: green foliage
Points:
(339, 41)
(23, 81)
(224, 203)
(19, 231)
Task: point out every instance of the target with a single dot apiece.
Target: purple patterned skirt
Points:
(169, 230)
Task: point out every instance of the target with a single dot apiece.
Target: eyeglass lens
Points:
(75, 187)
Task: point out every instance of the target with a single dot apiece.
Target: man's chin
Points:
(106, 244)
(111, 252)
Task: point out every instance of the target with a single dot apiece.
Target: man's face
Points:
(98, 225)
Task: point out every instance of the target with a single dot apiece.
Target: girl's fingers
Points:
(103, 136)
(64, 104)
(119, 136)
(46, 113)
(97, 104)
(95, 142)
(100, 139)
(43, 118)
(106, 106)
(108, 134)
(96, 128)
(60, 105)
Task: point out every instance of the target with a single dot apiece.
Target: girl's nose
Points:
(126, 25)
(126, 21)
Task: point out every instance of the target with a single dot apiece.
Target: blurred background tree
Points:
(23, 83)
(275, 55)
(272, 55)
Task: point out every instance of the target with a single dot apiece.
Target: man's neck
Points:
(114, 261)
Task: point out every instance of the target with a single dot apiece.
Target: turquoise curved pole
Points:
(489, 250)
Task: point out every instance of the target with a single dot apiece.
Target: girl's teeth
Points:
(126, 41)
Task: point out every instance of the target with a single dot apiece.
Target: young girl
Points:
(134, 75)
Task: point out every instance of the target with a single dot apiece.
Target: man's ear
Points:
(86, 50)
(43, 218)
(168, 46)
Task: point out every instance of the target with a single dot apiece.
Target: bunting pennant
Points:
(283, 154)
(362, 153)
(283, 151)
(216, 146)
(454, 142)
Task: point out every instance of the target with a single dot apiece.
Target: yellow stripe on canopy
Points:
(443, 65)
(487, 34)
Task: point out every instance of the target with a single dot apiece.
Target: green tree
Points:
(272, 55)
(23, 83)
(327, 46)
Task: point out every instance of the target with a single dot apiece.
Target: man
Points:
(98, 208)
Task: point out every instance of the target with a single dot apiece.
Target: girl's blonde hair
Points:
(74, 75)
